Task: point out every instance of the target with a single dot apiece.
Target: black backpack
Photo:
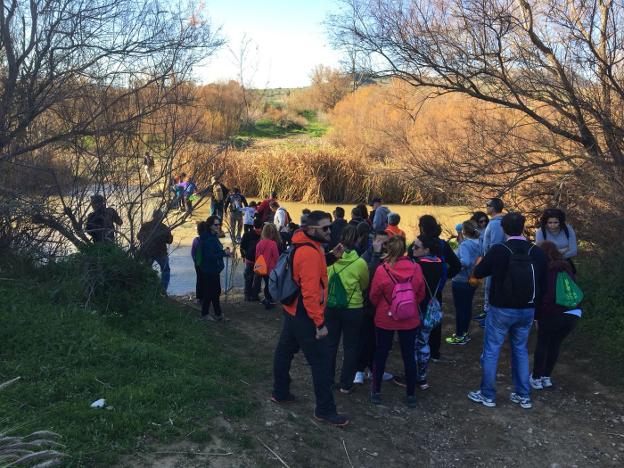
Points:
(520, 283)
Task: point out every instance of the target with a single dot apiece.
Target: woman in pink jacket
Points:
(267, 254)
(397, 289)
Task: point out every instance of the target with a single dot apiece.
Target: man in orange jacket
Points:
(304, 321)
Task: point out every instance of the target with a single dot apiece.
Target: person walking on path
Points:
(553, 228)
(393, 225)
(154, 237)
(218, 194)
(519, 278)
(267, 253)
(249, 214)
(235, 202)
(337, 226)
(248, 244)
(492, 236)
(555, 322)
(397, 288)
(148, 166)
(304, 321)
(463, 292)
(348, 279)
(209, 257)
(429, 227)
(102, 220)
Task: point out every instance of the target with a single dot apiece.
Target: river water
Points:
(183, 271)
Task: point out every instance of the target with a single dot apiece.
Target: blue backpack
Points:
(282, 285)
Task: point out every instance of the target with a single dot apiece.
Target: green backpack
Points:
(336, 292)
(567, 292)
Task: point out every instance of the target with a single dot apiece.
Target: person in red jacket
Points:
(396, 268)
(267, 250)
(304, 321)
(263, 210)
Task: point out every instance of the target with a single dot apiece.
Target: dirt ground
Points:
(577, 423)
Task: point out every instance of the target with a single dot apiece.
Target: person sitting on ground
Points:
(154, 236)
(555, 322)
(429, 227)
(396, 270)
(553, 228)
(425, 252)
(337, 226)
(463, 292)
(519, 278)
(248, 244)
(209, 256)
(267, 254)
(304, 321)
(348, 278)
(264, 212)
(379, 215)
(235, 202)
(102, 220)
(393, 225)
(366, 351)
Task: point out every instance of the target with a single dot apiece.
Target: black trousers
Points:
(257, 284)
(435, 341)
(407, 342)
(551, 331)
(345, 324)
(249, 279)
(210, 289)
(367, 342)
(299, 332)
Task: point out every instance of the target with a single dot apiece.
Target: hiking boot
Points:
(399, 380)
(536, 384)
(546, 382)
(359, 378)
(375, 398)
(478, 397)
(290, 398)
(458, 340)
(335, 419)
(410, 401)
(524, 402)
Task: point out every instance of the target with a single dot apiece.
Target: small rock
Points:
(530, 430)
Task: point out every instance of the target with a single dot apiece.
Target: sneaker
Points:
(359, 378)
(458, 340)
(480, 317)
(410, 401)
(546, 382)
(387, 376)
(399, 380)
(536, 384)
(335, 419)
(524, 402)
(347, 391)
(290, 398)
(375, 398)
(478, 397)
(423, 386)
(209, 318)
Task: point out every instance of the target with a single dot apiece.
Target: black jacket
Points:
(248, 245)
(336, 231)
(495, 264)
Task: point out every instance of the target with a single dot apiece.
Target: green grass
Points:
(266, 128)
(600, 332)
(164, 373)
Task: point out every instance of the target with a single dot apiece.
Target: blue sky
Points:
(287, 36)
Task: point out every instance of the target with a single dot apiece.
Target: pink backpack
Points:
(403, 305)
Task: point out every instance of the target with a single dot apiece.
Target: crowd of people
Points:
(360, 283)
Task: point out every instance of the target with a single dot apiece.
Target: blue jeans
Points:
(463, 294)
(500, 322)
(165, 271)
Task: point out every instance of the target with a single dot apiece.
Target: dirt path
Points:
(579, 422)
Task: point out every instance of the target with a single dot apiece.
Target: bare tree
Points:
(557, 64)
